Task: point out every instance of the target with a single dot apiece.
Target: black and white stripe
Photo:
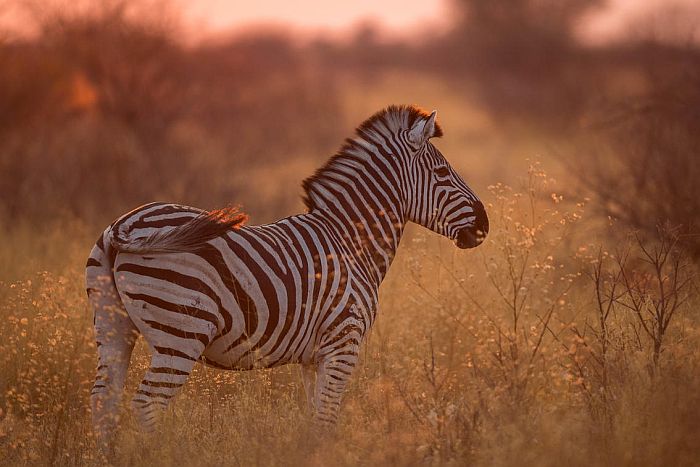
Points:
(199, 286)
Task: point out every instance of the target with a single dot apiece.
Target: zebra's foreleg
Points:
(308, 377)
(332, 376)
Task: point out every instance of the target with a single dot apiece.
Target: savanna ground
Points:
(493, 357)
(570, 337)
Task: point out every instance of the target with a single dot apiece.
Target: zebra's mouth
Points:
(474, 234)
(469, 238)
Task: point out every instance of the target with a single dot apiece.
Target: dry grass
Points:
(487, 357)
(541, 347)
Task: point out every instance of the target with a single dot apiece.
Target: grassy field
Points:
(565, 339)
(510, 354)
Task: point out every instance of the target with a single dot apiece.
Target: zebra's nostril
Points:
(474, 235)
(468, 238)
(481, 222)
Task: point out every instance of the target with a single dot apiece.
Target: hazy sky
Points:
(203, 18)
(397, 16)
(326, 15)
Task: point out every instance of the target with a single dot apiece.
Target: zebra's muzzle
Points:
(470, 237)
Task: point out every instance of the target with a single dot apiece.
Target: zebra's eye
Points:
(442, 171)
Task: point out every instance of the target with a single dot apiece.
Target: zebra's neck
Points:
(359, 192)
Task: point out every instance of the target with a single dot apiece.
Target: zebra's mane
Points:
(394, 118)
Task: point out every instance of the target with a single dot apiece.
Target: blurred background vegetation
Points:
(569, 338)
(107, 107)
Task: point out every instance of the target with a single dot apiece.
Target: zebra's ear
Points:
(423, 130)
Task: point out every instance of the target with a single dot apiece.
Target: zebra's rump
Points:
(159, 228)
(153, 218)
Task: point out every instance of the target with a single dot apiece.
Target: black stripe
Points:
(161, 384)
(130, 215)
(213, 364)
(167, 370)
(203, 338)
(185, 281)
(167, 222)
(173, 353)
(175, 308)
(269, 294)
(153, 394)
(214, 257)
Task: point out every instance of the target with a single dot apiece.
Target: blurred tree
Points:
(135, 66)
(522, 55)
(106, 108)
(646, 172)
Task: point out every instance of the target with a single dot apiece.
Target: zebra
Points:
(203, 286)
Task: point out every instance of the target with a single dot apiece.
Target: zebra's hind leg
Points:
(176, 344)
(115, 335)
(177, 334)
(168, 372)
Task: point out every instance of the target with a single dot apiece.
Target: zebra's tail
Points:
(186, 237)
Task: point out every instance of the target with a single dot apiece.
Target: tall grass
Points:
(496, 356)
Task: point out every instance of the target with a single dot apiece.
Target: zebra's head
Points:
(436, 196)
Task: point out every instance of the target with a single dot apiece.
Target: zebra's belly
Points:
(250, 360)
(261, 336)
